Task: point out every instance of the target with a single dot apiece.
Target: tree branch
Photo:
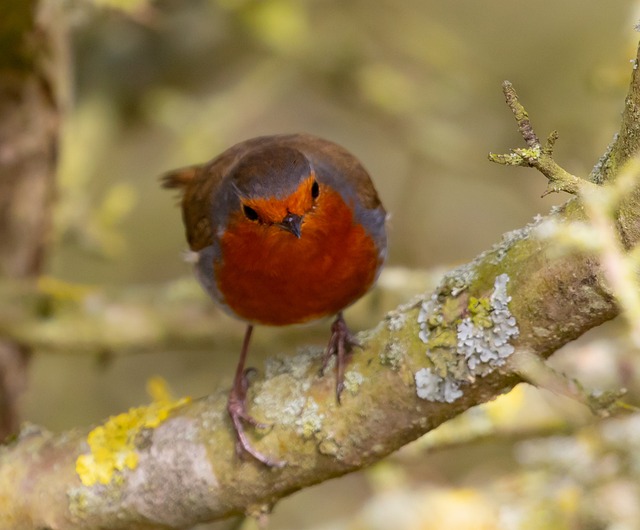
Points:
(536, 155)
(626, 141)
(172, 464)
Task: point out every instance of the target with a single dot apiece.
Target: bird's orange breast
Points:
(268, 276)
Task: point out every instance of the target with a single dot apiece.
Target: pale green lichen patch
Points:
(352, 381)
(282, 395)
(438, 321)
(488, 345)
(521, 156)
(529, 153)
(275, 392)
(298, 365)
(466, 336)
(391, 355)
(310, 420)
(433, 387)
(396, 320)
(112, 445)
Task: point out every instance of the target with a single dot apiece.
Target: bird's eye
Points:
(315, 190)
(250, 213)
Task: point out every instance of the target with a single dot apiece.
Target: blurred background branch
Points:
(31, 65)
(63, 318)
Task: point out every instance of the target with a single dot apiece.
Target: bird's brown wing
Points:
(194, 187)
(198, 185)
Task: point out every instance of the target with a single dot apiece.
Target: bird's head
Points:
(276, 188)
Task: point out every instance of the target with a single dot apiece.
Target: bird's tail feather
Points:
(179, 178)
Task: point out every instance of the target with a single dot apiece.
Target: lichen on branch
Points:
(113, 445)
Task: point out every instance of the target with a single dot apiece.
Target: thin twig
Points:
(535, 154)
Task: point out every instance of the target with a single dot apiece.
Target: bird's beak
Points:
(292, 223)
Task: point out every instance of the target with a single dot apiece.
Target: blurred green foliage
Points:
(92, 222)
(411, 88)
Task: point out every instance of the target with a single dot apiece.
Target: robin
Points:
(284, 229)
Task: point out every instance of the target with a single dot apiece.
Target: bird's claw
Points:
(341, 344)
(237, 408)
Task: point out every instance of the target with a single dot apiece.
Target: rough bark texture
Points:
(171, 465)
(28, 138)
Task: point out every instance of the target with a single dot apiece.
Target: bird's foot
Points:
(341, 344)
(237, 408)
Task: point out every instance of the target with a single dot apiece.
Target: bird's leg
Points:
(341, 345)
(237, 408)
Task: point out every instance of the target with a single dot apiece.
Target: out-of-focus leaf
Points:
(282, 24)
(118, 203)
(387, 87)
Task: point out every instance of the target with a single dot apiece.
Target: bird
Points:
(283, 229)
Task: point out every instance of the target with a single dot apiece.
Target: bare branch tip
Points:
(550, 143)
(510, 94)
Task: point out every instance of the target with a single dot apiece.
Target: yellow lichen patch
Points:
(113, 444)
(480, 310)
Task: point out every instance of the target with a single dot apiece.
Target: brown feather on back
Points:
(198, 184)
